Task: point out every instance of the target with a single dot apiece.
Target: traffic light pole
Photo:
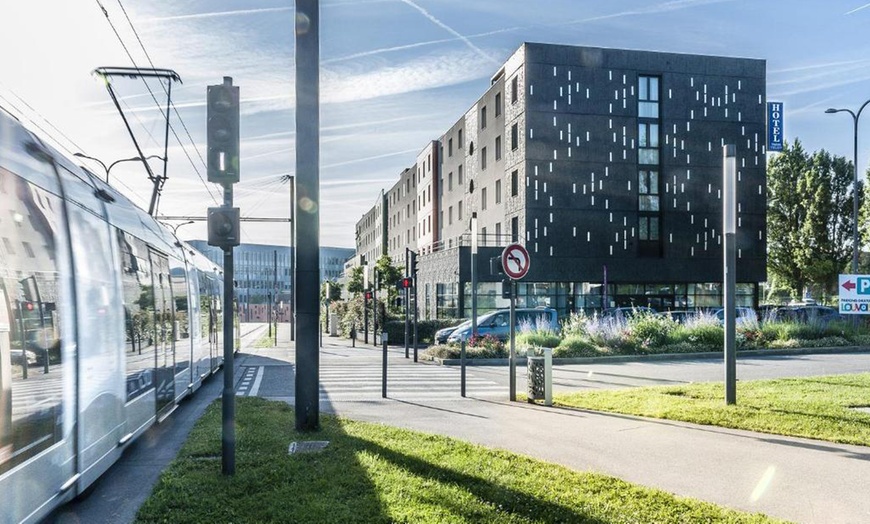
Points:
(407, 307)
(228, 398)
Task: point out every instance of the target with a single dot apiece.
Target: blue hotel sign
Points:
(774, 126)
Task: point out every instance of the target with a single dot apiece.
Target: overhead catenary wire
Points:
(154, 98)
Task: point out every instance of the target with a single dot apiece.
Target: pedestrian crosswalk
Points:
(361, 380)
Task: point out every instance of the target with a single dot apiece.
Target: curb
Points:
(646, 358)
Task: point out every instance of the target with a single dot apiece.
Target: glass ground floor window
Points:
(589, 297)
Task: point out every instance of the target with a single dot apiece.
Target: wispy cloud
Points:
(217, 14)
(370, 158)
(453, 32)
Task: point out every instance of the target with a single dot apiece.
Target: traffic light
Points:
(413, 264)
(405, 283)
(506, 286)
(495, 266)
(223, 132)
(368, 295)
(223, 227)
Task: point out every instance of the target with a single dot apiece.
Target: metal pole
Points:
(308, 204)
(512, 356)
(474, 274)
(729, 221)
(375, 309)
(269, 312)
(274, 315)
(228, 398)
(366, 317)
(292, 260)
(407, 307)
(462, 368)
(416, 316)
(384, 374)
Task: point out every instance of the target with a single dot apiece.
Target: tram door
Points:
(164, 319)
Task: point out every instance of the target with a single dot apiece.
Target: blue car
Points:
(497, 323)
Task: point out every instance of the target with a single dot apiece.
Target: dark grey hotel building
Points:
(606, 164)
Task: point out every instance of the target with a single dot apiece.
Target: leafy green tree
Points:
(355, 281)
(334, 290)
(809, 219)
(388, 275)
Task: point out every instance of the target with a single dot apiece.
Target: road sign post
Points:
(854, 294)
(515, 263)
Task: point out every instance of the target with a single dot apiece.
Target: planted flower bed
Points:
(645, 334)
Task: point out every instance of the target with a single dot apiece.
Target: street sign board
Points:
(515, 261)
(774, 126)
(854, 294)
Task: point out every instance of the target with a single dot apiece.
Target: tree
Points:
(809, 218)
(355, 281)
(388, 275)
(334, 290)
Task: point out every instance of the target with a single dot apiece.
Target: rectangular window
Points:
(648, 143)
(497, 233)
(497, 148)
(461, 144)
(483, 198)
(515, 229)
(648, 190)
(515, 182)
(515, 137)
(450, 181)
(648, 97)
(483, 117)
(514, 81)
(483, 158)
(459, 210)
(498, 191)
(459, 181)
(648, 228)
(450, 215)
(449, 147)
(497, 104)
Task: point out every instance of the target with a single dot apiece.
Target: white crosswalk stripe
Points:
(361, 381)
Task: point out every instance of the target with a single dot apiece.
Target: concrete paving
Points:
(796, 479)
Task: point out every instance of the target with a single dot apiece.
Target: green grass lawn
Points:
(811, 407)
(265, 341)
(372, 473)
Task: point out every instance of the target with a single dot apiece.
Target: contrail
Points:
(453, 32)
(865, 6)
(221, 14)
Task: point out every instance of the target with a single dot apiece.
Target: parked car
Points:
(744, 315)
(806, 314)
(443, 334)
(497, 323)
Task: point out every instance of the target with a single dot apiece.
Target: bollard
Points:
(384, 380)
(462, 368)
(353, 335)
(548, 376)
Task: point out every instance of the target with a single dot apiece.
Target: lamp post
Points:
(855, 196)
(108, 168)
(176, 226)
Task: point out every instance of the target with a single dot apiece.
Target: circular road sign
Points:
(515, 261)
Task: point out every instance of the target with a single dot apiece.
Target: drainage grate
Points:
(309, 446)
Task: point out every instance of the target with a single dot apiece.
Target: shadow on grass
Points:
(268, 485)
(508, 500)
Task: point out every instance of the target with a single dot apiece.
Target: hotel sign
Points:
(774, 126)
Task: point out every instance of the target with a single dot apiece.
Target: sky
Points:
(395, 74)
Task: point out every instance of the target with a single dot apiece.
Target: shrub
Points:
(546, 339)
(650, 330)
(425, 330)
(575, 324)
(576, 346)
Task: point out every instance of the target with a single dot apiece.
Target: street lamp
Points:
(855, 196)
(176, 226)
(108, 168)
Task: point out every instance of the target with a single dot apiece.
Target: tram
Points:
(107, 321)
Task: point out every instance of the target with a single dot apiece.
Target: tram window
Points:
(138, 313)
(31, 362)
(181, 326)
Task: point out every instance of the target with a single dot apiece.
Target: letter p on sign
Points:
(863, 286)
